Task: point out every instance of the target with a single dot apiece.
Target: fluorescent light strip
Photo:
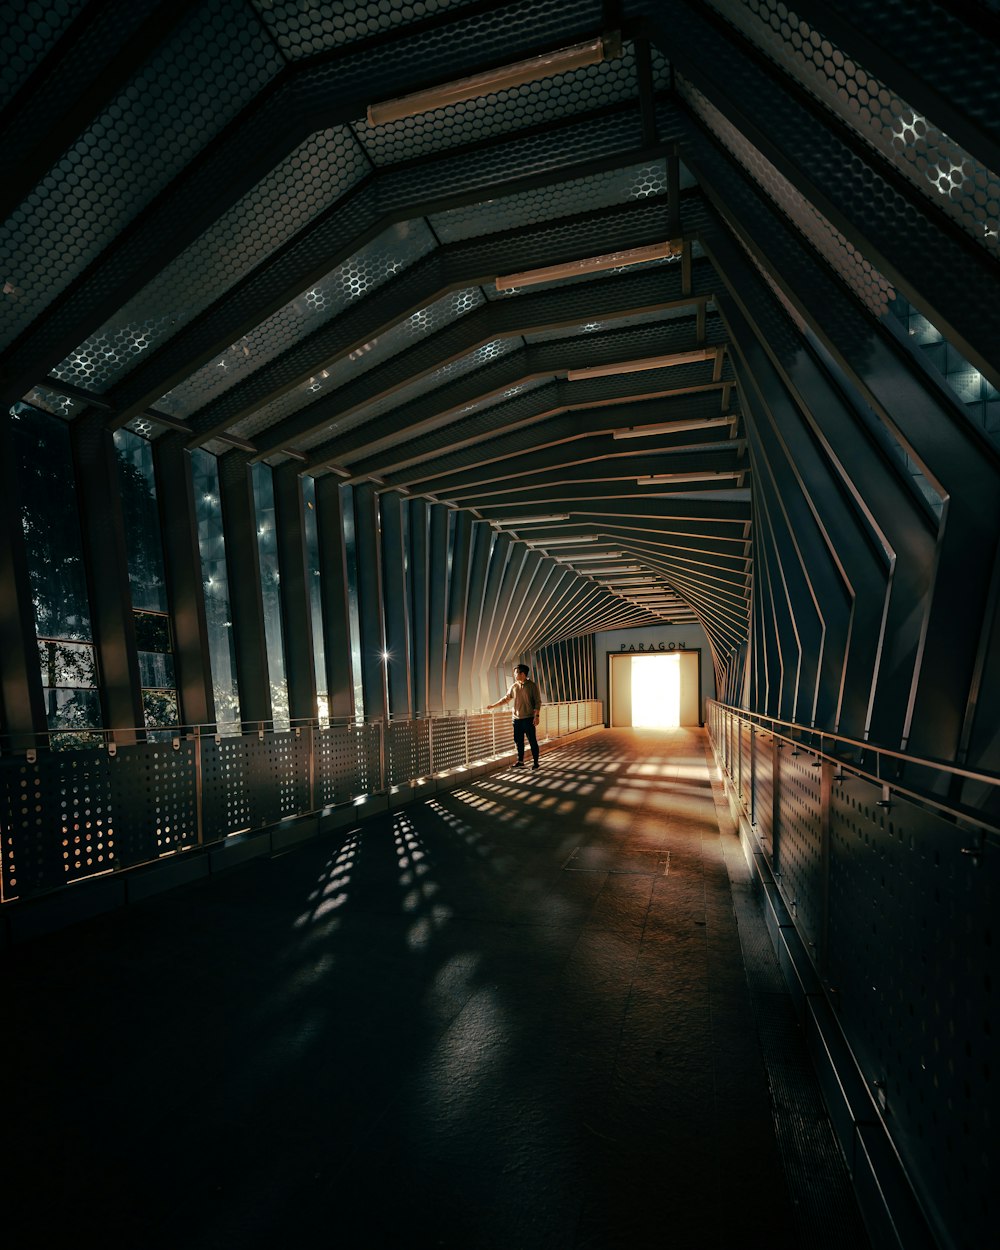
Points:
(561, 542)
(591, 556)
(559, 61)
(591, 264)
(615, 568)
(660, 478)
(671, 427)
(534, 520)
(641, 366)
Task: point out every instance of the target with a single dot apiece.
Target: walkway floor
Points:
(510, 1017)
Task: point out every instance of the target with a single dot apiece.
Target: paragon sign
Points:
(654, 646)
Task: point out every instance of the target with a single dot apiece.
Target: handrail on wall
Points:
(823, 744)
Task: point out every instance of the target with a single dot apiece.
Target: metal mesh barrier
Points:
(893, 902)
(72, 814)
(481, 738)
(448, 742)
(936, 165)
(401, 752)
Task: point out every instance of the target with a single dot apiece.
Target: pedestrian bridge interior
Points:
(352, 353)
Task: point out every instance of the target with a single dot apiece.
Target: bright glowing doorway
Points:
(656, 691)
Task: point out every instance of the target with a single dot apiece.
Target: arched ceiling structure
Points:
(215, 233)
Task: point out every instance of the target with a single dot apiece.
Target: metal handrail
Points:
(956, 811)
(108, 738)
(992, 779)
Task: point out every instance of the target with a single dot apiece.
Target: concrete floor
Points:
(512, 1016)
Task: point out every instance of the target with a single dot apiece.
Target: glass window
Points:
(147, 584)
(215, 584)
(54, 548)
(354, 620)
(142, 521)
(267, 551)
(315, 597)
(978, 397)
(51, 525)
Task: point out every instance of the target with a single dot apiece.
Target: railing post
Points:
(199, 805)
(775, 803)
(312, 767)
(753, 772)
(466, 723)
(825, 833)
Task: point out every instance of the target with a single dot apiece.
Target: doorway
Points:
(655, 690)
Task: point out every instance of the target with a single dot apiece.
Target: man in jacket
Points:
(527, 707)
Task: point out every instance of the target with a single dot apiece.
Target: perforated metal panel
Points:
(28, 35)
(448, 742)
(249, 784)
(203, 75)
(576, 195)
(608, 136)
(874, 290)
(462, 367)
(954, 181)
(57, 821)
(393, 251)
(481, 744)
(299, 188)
(153, 795)
(226, 787)
(49, 401)
(304, 29)
(523, 390)
(912, 960)
(281, 776)
(347, 762)
(599, 327)
(417, 326)
(797, 841)
(763, 790)
(745, 773)
(401, 752)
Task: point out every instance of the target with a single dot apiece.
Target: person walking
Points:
(527, 708)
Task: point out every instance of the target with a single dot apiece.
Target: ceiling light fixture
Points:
(640, 366)
(671, 427)
(591, 264)
(591, 557)
(516, 74)
(659, 478)
(562, 542)
(534, 520)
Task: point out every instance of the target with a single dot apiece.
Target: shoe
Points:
(535, 765)
(518, 764)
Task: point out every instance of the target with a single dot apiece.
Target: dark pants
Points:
(522, 727)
